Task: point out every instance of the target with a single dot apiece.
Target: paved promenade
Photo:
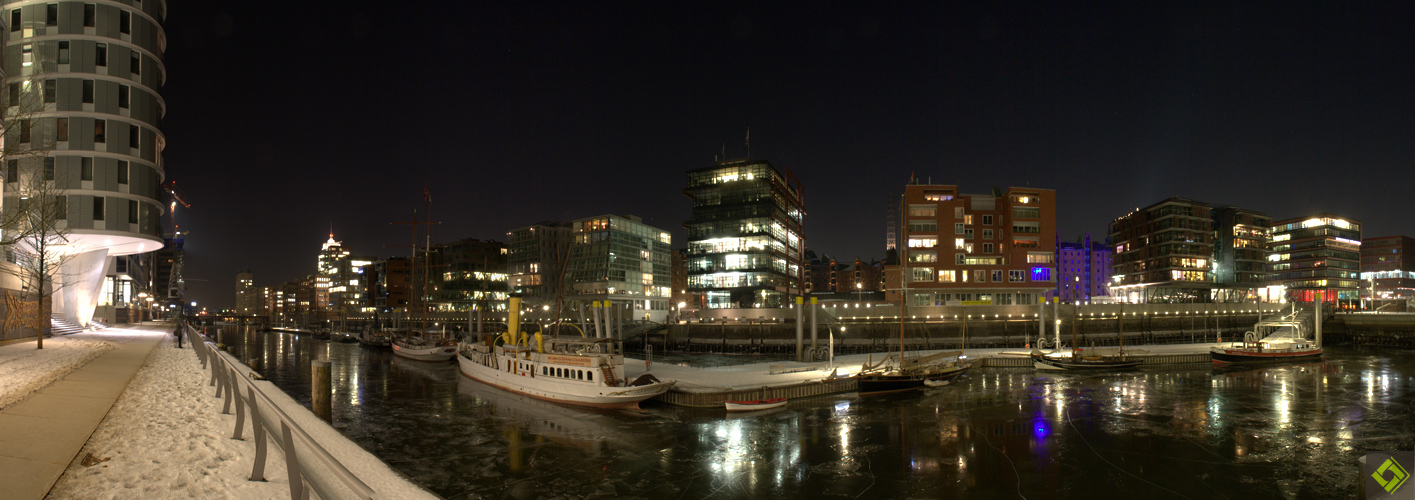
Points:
(40, 436)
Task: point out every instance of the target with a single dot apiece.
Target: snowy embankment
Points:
(166, 438)
(24, 369)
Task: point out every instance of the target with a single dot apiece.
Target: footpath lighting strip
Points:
(224, 377)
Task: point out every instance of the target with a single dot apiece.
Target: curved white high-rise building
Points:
(83, 82)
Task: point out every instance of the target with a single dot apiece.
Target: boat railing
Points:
(302, 453)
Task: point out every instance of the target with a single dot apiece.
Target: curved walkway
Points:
(40, 436)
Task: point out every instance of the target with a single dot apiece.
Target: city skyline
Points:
(564, 113)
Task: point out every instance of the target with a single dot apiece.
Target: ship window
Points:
(579, 374)
(589, 376)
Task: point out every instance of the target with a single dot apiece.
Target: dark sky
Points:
(517, 112)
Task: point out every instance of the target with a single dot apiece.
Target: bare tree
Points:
(33, 217)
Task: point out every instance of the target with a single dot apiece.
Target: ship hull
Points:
(425, 353)
(1045, 363)
(1222, 356)
(556, 390)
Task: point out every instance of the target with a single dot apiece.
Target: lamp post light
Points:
(859, 292)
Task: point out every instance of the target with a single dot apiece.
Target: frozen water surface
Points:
(1281, 431)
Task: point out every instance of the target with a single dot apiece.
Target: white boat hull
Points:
(558, 390)
(425, 353)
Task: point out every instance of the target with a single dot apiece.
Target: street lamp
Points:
(859, 291)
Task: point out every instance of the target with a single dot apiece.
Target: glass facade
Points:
(1321, 253)
(745, 240)
(620, 258)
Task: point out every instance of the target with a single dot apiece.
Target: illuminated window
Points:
(1041, 274)
(923, 257)
(923, 242)
(27, 54)
(1021, 242)
(1039, 258)
(1015, 276)
(923, 211)
(945, 276)
(980, 276)
(923, 273)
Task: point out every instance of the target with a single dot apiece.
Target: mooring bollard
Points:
(320, 388)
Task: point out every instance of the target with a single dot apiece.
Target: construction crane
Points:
(176, 194)
(176, 286)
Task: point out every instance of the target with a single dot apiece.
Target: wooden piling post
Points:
(321, 388)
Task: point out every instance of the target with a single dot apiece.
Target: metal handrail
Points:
(300, 482)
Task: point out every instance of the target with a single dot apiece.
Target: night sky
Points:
(284, 120)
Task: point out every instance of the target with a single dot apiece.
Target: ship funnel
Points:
(513, 320)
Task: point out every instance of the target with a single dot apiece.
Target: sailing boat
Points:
(911, 373)
(1081, 360)
(416, 344)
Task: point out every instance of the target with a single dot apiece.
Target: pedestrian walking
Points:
(178, 333)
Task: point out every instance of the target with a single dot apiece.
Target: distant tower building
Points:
(891, 222)
(1240, 253)
(84, 104)
(746, 238)
(343, 272)
(1084, 269)
(622, 260)
(535, 260)
(1317, 253)
(247, 298)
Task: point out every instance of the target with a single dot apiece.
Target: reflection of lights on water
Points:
(842, 406)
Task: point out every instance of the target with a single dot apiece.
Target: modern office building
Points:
(1084, 271)
(535, 260)
(622, 260)
(993, 248)
(1384, 269)
(746, 237)
(1320, 253)
(1240, 256)
(84, 95)
(1163, 253)
(388, 285)
(247, 297)
(469, 274)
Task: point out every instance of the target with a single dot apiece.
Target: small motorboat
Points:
(754, 405)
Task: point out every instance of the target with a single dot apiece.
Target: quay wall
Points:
(874, 329)
(1385, 329)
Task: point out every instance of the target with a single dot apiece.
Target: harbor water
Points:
(1280, 431)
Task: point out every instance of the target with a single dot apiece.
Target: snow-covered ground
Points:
(24, 369)
(165, 437)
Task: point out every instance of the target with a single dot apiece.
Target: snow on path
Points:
(165, 437)
(25, 369)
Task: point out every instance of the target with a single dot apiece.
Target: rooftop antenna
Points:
(749, 143)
